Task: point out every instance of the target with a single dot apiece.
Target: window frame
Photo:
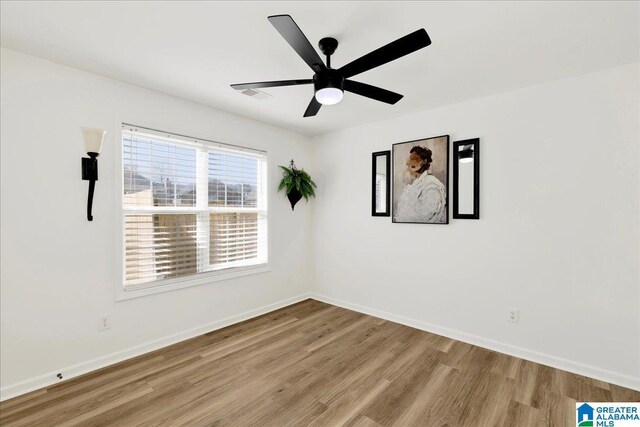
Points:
(123, 291)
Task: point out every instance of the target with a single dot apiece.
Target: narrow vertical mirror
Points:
(381, 184)
(466, 179)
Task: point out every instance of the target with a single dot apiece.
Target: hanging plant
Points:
(296, 183)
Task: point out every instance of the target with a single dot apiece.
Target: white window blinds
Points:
(190, 207)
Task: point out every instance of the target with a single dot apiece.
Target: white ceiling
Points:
(194, 50)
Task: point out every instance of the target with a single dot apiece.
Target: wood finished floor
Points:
(315, 364)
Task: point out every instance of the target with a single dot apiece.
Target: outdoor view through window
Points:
(189, 207)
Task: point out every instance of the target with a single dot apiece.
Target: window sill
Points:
(187, 282)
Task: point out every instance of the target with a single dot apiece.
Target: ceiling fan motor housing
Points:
(328, 78)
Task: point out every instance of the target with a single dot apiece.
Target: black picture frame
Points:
(446, 175)
(475, 144)
(374, 164)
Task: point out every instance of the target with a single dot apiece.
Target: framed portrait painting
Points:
(421, 181)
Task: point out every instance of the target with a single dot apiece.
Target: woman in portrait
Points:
(423, 199)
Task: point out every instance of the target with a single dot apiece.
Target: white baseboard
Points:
(48, 379)
(512, 350)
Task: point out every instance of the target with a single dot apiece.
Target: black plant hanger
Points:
(327, 77)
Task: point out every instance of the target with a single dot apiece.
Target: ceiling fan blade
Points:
(256, 85)
(288, 29)
(313, 108)
(372, 92)
(394, 50)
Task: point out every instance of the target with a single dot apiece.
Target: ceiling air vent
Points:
(257, 94)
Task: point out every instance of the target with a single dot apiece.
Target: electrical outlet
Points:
(288, 280)
(105, 323)
(514, 315)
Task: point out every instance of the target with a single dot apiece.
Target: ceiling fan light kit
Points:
(330, 84)
(329, 95)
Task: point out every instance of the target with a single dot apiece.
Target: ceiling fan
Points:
(330, 84)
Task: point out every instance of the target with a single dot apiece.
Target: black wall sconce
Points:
(93, 139)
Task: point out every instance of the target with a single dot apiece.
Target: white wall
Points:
(59, 270)
(558, 236)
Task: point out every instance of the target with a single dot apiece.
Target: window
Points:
(190, 207)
